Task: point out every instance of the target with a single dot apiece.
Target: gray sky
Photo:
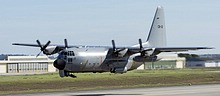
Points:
(96, 22)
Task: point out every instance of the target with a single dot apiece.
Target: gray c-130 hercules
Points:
(74, 59)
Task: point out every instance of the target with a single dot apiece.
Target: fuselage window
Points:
(72, 53)
(70, 60)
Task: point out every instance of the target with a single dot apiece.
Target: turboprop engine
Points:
(120, 70)
(59, 64)
(51, 50)
(47, 49)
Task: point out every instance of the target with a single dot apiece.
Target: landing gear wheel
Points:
(73, 76)
(67, 74)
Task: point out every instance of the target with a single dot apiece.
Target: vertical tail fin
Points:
(157, 34)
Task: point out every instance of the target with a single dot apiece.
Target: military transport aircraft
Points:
(73, 59)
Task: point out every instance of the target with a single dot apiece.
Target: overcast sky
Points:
(96, 22)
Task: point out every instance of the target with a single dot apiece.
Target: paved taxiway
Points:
(195, 90)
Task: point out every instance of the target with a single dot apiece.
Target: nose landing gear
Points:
(64, 73)
(67, 74)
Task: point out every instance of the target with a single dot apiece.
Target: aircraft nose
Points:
(59, 64)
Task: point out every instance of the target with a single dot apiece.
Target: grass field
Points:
(86, 81)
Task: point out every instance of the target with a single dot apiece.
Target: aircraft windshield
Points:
(68, 53)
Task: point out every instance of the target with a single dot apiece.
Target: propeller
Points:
(118, 52)
(141, 48)
(140, 43)
(143, 52)
(66, 43)
(113, 45)
(42, 48)
(114, 48)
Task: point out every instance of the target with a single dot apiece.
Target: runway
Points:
(195, 90)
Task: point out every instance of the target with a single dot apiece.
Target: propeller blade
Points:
(42, 48)
(113, 45)
(140, 43)
(39, 54)
(66, 43)
(141, 48)
(45, 46)
(39, 44)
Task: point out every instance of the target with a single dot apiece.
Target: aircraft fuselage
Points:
(94, 60)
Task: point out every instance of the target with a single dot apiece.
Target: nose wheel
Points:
(69, 74)
(73, 76)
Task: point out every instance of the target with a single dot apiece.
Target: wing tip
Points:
(210, 47)
(15, 44)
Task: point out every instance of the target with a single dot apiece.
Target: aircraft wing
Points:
(47, 48)
(178, 49)
(36, 45)
(156, 51)
(31, 45)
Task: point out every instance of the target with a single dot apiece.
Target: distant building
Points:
(18, 64)
(202, 62)
(171, 61)
(167, 61)
(195, 62)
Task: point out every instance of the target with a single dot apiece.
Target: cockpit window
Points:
(65, 53)
(62, 53)
(69, 53)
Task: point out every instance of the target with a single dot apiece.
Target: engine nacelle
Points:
(59, 64)
(51, 50)
(62, 73)
(120, 70)
(145, 58)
